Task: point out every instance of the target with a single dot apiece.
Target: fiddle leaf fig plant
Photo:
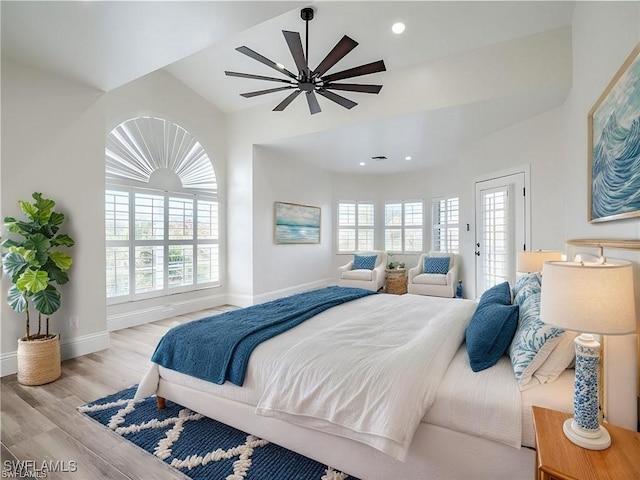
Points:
(34, 263)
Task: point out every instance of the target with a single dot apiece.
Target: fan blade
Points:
(357, 71)
(295, 46)
(312, 100)
(263, 92)
(345, 102)
(353, 87)
(344, 46)
(256, 56)
(256, 77)
(285, 103)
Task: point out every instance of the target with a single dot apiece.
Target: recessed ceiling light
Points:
(362, 164)
(280, 66)
(398, 28)
(407, 158)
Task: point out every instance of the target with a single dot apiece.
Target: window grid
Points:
(404, 225)
(356, 221)
(446, 224)
(168, 254)
(180, 218)
(116, 215)
(494, 236)
(149, 216)
(117, 262)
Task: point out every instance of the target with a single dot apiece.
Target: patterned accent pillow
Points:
(533, 342)
(438, 265)
(364, 262)
(525, 286)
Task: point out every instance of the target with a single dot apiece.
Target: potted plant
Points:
(36, 266)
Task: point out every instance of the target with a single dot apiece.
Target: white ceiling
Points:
(107, 44)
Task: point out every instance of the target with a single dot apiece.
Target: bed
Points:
(465, 424)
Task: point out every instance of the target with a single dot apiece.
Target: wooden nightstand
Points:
(558, 458)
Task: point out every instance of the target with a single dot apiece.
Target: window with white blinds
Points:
(166, 254)
(446, 224)
(356, 226)
(403, 226)
(495, 236)
(161, 212)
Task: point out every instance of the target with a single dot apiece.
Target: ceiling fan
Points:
(312, 81)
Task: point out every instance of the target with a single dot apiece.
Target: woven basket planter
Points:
(396, 282)
(39, 361)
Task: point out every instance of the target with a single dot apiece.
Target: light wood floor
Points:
(42, 424)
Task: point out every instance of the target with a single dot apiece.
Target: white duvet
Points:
(372, 376)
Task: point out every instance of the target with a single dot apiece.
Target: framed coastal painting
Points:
(614, 146)
(295, 223)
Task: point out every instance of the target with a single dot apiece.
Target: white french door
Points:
(501, 229)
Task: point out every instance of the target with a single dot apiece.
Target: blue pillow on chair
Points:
(436, 265)
(364, 262)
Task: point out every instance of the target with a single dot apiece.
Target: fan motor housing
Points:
(306, 14)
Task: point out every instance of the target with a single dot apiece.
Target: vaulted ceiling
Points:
(108, 44)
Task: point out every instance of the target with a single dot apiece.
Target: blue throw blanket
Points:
(217, 348)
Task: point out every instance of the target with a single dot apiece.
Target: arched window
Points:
(161, 211)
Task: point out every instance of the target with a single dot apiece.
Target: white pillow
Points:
(559, 360)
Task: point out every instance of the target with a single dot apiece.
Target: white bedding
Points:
(486, 404)
(450, 409)
(375, 387)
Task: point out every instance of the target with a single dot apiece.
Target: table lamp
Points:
(531, 261)
(592, 298)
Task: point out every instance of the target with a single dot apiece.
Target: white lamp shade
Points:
(532, 260)
(588, 297)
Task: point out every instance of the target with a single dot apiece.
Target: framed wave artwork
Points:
(614, 146)
(295, 223)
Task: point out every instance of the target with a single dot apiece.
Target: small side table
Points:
(396, 281)
(559, 459)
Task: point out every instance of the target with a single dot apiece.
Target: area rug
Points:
(199, 447)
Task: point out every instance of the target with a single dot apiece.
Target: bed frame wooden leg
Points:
(161, 402)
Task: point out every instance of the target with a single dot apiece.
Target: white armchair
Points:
(361, 278)
(434, 284)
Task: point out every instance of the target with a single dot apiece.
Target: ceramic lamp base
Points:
(593, 440)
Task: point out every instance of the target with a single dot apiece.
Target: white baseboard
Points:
(71, 348)
(240, 300)
(285, 292)
(141, 316)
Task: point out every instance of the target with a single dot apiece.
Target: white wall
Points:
(53, 140)
(604, 34)
(536, 142)
(287, 269)
(53, 143)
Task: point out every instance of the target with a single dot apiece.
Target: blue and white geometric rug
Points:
(199, 447)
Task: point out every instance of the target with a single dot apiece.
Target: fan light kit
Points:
(312, 81)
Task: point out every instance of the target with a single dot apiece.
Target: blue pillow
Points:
(436, 265)
(500, 294)
(364, 262)
(489, 334)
